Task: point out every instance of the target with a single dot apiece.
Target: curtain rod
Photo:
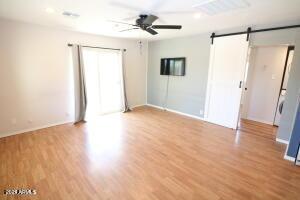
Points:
(213, 35)
(99, 47)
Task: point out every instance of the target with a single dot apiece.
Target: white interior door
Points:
(225, 82)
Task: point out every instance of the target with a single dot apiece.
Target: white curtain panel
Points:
(79, 84)
(125, 101)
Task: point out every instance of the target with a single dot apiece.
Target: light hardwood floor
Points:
(258, 129)
(148, 154)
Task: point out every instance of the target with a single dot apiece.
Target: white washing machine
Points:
(279, 108)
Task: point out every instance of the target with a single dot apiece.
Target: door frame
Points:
(289, 49)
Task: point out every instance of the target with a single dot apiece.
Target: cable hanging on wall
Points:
(167, 94)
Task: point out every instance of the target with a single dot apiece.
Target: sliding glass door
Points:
(103, 80)
(110, 81)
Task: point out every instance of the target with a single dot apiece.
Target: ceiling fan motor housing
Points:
(145, 22)
(140, 22)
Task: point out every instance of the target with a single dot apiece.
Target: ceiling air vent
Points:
(214, 7)
(70, 14)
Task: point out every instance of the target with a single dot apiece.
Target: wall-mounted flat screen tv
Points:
(172, 66)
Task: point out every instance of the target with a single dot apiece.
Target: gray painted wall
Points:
(291, 103)
(284, 37)
(293, 89)
(187, 93)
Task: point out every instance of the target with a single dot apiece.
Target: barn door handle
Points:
(240, 84)
(281, 107)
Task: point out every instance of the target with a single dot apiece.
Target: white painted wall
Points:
(264, 78)
(36, 85)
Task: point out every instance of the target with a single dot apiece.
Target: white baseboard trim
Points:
(286, 157)
(175, 111)
(154, 106)
(33, 129)
(10, 133)
(258, 120)
(289, 158)
(136, 106)
(282, 141)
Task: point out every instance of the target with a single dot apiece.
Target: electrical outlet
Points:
(29, 121)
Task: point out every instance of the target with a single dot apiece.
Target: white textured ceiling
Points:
(95, 14)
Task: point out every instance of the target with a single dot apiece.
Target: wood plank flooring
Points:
(148, 154)
(258, 129)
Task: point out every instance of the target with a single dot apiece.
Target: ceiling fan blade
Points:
(150, 19)
(166, 26)
(129, 29)
(151, 31)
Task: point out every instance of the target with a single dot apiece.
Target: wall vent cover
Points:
(70, 14)
(214, 7)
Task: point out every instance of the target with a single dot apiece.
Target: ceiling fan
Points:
(144, 22)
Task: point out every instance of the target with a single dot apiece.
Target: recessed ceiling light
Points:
(50, 10)
(197, 15)
(70, 14)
